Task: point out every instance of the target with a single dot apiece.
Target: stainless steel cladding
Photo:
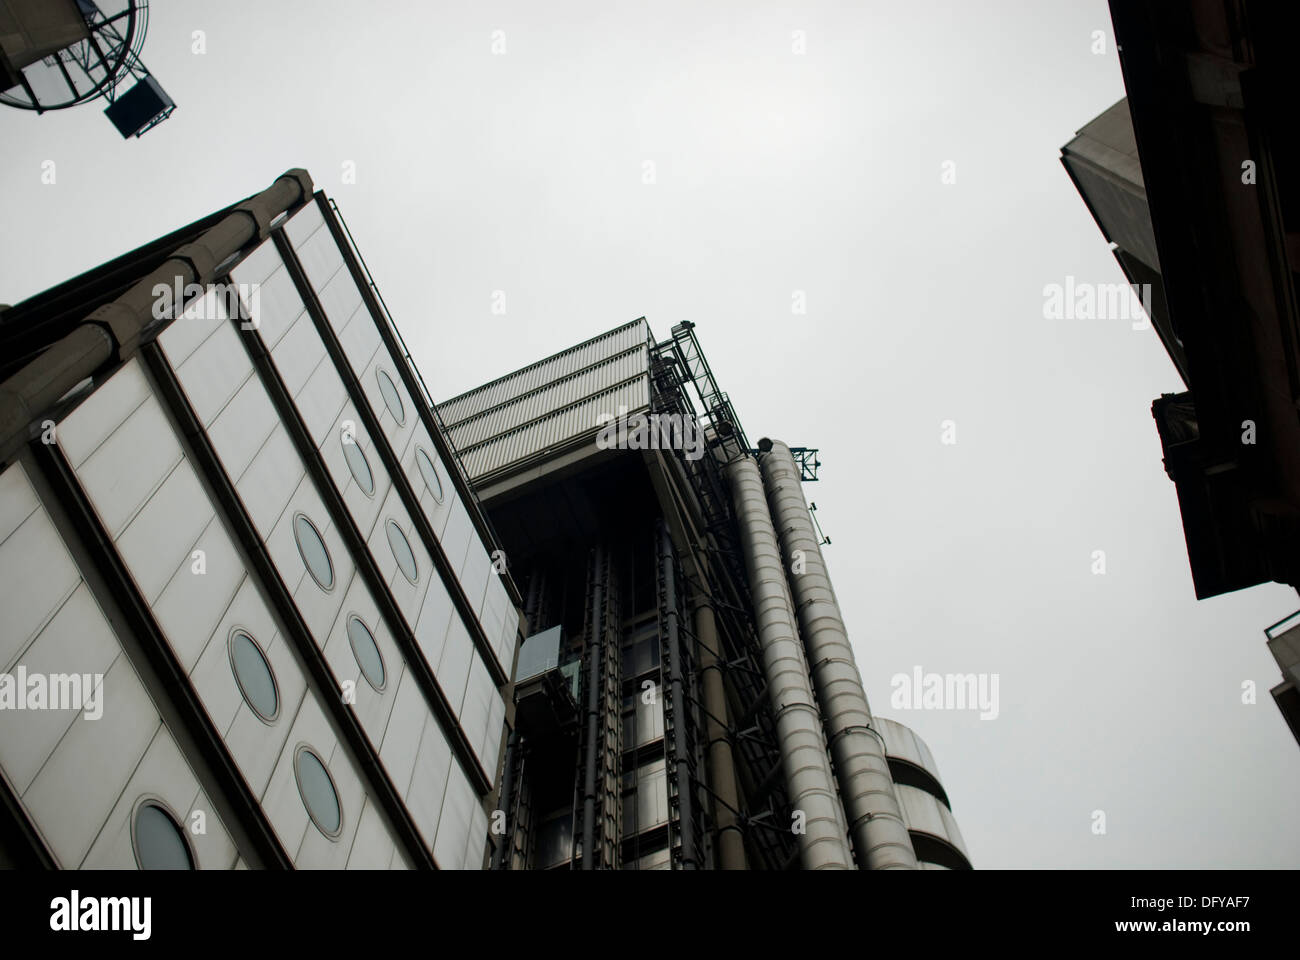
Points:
(550, 397)
(927, 815)
(543, 372)
(902, 743)
(876, 824)
(823, 844)
(568, 423)
(562, 400)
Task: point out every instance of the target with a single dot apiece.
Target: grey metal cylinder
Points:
(880, 836)
(810, 783)
(722, 765)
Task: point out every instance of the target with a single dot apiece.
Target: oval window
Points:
(159, 841)
(312, 548)
(316, 787)
(401, 548)
(429, 472)
(392, 399)
(357, 463)
(254, 676)
(364, 648)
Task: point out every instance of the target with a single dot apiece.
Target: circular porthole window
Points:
(158, 840)
(364, 648)
(319, 796)
(314, 555)
(392, 399)
(357, 463)
(402, 551)
(254, 676)
(429, 472)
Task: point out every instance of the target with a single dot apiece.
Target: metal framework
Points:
(682, 383)
(599, 781)
(94, 67)
(681, 739)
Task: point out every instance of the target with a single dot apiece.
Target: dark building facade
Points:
(1193, 179)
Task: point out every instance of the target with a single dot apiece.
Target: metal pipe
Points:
(722, 763)
(594, 638)
(503, 852)
(117, 326)
(681, 755)
(822, 842)
(875, 820)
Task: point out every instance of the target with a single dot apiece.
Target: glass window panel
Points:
(254, 676)
(392, 399)
(316, 788)
(357, 463)
(312, 548)
(402, 551)
(429, 471)
(364, 648)
(159, 841)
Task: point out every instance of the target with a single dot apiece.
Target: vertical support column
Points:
(593, 652)
(681, 758)
(722, 765)
(505, 801)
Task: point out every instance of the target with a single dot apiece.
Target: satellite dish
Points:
(69, 52)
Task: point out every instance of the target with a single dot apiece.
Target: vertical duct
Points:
(595, 642)
(501, 856)
(722, 764)
(681, 760)
(802, 744)
(876, 824)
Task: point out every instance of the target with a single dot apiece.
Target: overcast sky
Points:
(778, 173)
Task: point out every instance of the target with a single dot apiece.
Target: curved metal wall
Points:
(927, 816)
(902, 743)
(923, 802)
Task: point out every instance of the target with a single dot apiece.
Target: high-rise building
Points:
(250, 611)
(687, 696)
(1192, 179)
(256, 609)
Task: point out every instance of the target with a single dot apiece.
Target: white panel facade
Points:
(345, 311)
(276, 489)
(189, 570)
(81, 767)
